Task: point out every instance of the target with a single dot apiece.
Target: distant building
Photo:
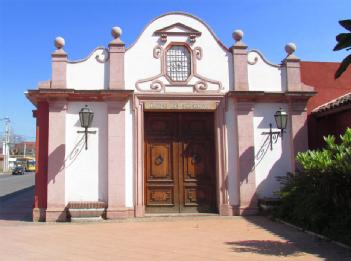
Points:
(25, 148)
(332, 118)
(181, 125)
(329, 111)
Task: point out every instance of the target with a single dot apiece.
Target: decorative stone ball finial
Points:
(290, 48)
(238, 35)
(59, 42)
(116, 32)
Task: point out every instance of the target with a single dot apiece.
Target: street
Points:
(16, 196)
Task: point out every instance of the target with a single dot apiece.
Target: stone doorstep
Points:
(86, 204)
(86, 212)
(86, 219)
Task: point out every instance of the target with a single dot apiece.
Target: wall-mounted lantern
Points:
(86, 116)
(281, 120)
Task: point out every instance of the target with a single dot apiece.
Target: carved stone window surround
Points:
(157, 84)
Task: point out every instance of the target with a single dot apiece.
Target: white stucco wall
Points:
(140, 64)
(129, 161)
(264, 76)
(89, 74)
(270, 163)
(232, 154)
(86, 170)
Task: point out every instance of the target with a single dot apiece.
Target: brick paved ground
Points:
(189, 238)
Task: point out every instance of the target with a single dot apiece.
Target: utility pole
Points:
(5, 146)
(24, 149)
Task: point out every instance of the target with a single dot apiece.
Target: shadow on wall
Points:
(255, 159)
(279, 168)
(247, 166)
(59, 162)
(292, 243)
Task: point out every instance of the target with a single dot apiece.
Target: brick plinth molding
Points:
(228, 210)
(139, 210)
(56, 215)
(114, 213)
(39, 214)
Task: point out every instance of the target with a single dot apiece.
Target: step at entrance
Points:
(86, 210)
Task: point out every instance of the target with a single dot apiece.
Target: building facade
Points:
(324, 116)
(180, 125)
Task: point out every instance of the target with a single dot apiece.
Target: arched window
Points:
(178, 62)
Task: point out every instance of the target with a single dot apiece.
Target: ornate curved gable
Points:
(177, 53)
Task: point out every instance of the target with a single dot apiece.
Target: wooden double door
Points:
(179, 163)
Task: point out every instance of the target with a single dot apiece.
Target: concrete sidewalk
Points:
(186, 238)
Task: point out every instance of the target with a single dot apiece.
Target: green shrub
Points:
(318, 197)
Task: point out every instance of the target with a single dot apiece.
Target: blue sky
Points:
(28, 28)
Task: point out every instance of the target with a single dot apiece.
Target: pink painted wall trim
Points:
(293, 74)
(139, 158)
(116, 75)
(116, 160)
(56, 162)
(299, 131)
(246, 154)
(59, 70)
(241, 80)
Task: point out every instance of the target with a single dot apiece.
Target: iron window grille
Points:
(178, 63)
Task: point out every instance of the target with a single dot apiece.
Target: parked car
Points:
(19, 170)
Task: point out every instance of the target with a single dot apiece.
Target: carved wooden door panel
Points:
(161, 174)
(179, 163)
(197, 176)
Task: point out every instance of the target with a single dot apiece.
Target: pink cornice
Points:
(261, 96)
(76, 95)
(188, 15)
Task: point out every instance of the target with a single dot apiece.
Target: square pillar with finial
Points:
(291, 65)
(116, 49)
(239, 51)
(59, 65)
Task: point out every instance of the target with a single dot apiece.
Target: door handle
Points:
(159, 160)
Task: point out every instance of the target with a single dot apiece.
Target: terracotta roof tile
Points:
(333, 104)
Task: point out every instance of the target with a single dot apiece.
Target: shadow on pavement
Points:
(292, 243)
(265, 247)
(17, 205)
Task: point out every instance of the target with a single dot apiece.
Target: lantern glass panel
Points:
(86, 117)
(281, 119)
(91, 117)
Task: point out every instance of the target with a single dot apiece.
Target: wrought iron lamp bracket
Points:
(86, 132)
(273, 135)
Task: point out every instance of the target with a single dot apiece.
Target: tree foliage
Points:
(344, 42)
